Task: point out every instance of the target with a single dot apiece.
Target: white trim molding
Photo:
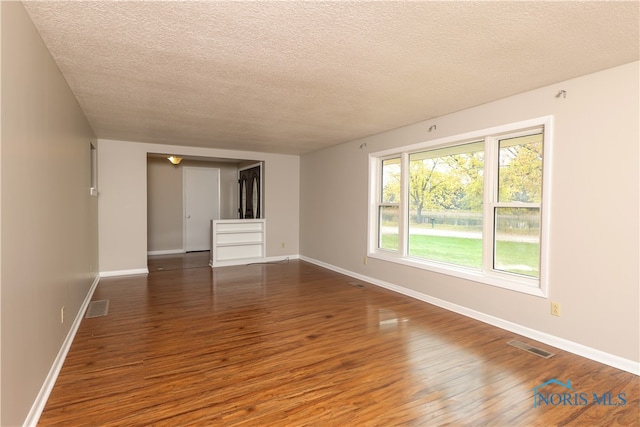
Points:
(167, 252)
(38, 405)
(552, 340)
(132, 272)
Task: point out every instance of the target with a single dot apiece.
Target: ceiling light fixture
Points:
(174, 159)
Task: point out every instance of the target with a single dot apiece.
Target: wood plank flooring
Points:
(178, 261)
(294, 344)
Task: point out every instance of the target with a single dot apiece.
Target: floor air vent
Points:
(531, 349)
(97, 309)
(357, 285)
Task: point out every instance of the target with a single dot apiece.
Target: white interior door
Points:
(201, 205)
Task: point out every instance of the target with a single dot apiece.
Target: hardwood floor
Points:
(293, 344)
(178, 261)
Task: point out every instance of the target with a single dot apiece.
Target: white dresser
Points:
(237, 241)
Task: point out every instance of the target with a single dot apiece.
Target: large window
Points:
(445, 204)
(470, 206)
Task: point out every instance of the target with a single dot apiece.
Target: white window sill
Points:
(508, 281)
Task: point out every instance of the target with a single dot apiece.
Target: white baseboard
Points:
(114, 273)
(552, 340)
(167, 252)
(265, 260)
(38, 405)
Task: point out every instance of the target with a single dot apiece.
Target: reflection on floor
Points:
(294, 344)
(182, 261)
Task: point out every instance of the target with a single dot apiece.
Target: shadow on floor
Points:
(178, 261)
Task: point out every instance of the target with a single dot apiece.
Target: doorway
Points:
(201, 205)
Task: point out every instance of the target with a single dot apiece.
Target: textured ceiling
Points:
(297, 76)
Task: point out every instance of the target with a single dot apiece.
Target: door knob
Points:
(188, 216)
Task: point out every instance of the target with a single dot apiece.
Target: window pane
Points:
(520, 172)
(389, 227)
(517, 245)
(445, 204)
(390, 181)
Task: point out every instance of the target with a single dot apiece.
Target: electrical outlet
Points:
(364, 260)
(282, 244)
(555, 308)
(62, 315)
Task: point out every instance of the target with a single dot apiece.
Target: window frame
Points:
(380, 203)
(93, 170)
(512, 281)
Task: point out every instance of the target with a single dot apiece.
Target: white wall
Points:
(0, 218)
(164, 206)
(594, 245)
(49, 227)
(122, 178)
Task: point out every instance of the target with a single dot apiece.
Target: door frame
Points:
(184, 201)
